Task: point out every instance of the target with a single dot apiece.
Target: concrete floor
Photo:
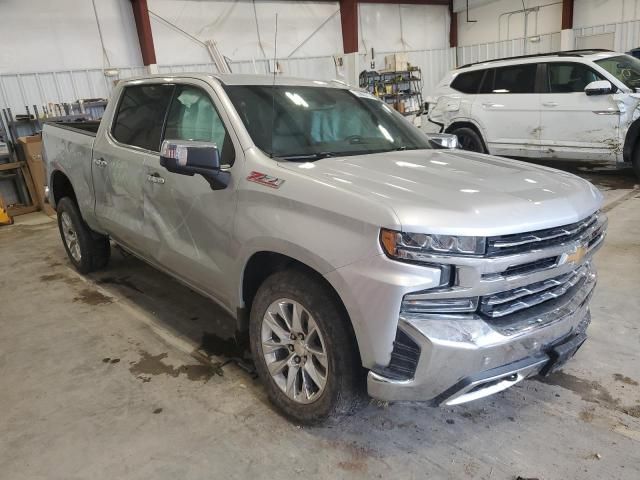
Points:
(119, 376)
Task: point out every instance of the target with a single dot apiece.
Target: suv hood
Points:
(457, 192)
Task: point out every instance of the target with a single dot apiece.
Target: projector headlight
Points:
(418, 247)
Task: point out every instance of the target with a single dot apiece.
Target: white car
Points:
(578, 105)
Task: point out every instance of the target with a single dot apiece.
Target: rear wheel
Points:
(303, 348)
(468, 139)
(87, 250)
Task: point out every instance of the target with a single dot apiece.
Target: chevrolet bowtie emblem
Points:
(577, 255)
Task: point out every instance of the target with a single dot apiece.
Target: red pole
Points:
(349, 20)
(143, 26)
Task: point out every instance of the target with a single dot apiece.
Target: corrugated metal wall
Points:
(626, 34)
(18, 90)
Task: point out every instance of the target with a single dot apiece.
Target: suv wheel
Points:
(468, 139)
(635, 159)
(87, 250)
(303, 348)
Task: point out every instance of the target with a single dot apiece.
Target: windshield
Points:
(317, 122)
(624, 67)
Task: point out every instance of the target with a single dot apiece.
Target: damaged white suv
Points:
(578, 105)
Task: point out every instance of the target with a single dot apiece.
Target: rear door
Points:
(575, 125)
(507, 108)
(190, 223)
(120, 156)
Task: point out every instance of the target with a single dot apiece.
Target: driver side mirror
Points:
(190, 157)
(599, 87)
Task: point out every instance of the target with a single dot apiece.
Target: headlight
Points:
(418, 247)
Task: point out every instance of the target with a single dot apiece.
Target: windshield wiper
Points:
(305, 157)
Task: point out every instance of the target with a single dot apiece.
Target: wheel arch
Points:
(61, 186)
(467, 124)
(631, 141)
(262, 264)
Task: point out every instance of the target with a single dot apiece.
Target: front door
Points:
(119, 162)
(191, 223)
(508, 109)
(575, 125)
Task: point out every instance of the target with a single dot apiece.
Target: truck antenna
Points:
(273, 86)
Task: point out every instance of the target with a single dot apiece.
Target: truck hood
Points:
(457, 192)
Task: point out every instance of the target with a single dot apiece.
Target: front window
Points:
(307, 123)
(624, 67)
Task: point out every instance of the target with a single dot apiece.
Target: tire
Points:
(468, 139)
(343, 390)
(87, 250)
(635, 159)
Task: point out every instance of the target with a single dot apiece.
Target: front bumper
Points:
(466, 358)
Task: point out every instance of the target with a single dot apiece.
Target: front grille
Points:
(525, 242)
(511, 301)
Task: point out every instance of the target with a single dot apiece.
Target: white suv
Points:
(578, 105)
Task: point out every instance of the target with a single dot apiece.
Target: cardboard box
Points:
(32, 149)
(396, 62)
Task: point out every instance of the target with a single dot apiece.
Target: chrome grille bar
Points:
(508, 244)
(511, 301)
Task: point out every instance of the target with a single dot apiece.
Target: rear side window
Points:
(570, 77)
(515, 79)
(141, 115)
(468, 82)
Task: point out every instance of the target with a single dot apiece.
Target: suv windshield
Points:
(309, 123)
(624, 67)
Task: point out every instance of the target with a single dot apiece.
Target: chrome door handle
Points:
(155, 178)
(491, 105)
(550, 104)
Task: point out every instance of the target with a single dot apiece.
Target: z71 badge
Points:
(264, 179)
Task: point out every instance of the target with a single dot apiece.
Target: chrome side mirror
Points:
(443, 140)
(190, 157)
(599, 87)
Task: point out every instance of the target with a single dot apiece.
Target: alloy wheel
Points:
(70, 237)
(294, 350)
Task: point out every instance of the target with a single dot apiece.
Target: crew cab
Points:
(331, 231)
(576, 105)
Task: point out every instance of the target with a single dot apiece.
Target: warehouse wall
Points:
(489, 28)
(44, 35)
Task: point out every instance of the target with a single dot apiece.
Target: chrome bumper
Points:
(463, 358)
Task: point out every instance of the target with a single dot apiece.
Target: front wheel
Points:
(304, 348)
(468, 139)
(635, 159)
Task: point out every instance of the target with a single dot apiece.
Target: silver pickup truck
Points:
(328, 227)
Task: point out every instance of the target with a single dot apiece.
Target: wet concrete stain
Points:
(590, 391)
(51, 277)
(359, 455)
(92, 297)
(157, 410)
(110, 360)
(624, 379)
(234, 350)
(152, 365)
(121, 281)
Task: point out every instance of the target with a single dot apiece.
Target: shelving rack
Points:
(401, 89)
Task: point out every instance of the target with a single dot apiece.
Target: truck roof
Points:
(590, 54)
(244, 79)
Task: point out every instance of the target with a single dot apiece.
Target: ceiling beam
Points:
(143, 26)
